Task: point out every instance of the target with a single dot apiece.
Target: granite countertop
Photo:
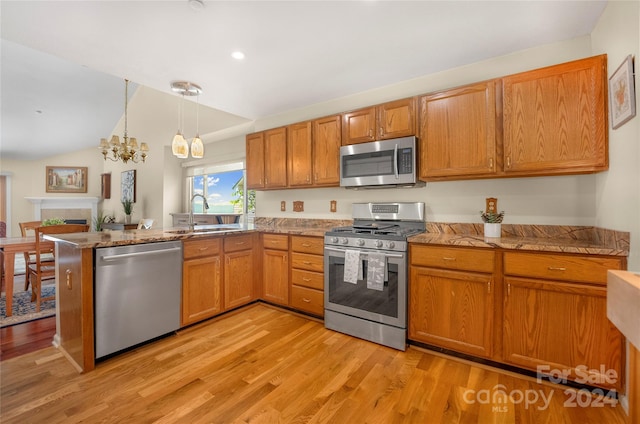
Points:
(544, 238)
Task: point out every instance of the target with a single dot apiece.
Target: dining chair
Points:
(145, 224)
(27, 229)
(41, 270)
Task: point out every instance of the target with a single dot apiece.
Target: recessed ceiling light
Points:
(196, 4)
(238, 55)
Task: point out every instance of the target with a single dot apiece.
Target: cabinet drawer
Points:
(308, 300)
(560, 267)
(275, 241)
(308, 262)
(201, 247)
(479, 260)
(313, 280)
(234, 243)
(314, 245)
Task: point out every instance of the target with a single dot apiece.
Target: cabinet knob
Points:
(69, 281)
(490, 163)
(508, 161)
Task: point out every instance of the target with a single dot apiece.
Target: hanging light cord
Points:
(126, 98)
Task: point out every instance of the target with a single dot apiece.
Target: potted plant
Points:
(127, 205)
(492, 223)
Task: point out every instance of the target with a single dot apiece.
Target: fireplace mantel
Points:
(40, 203)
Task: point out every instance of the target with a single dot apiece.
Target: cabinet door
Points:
(201, 289)
(275, 274)
(396, 119)
(327, 138)
(458, 132)
(255, 160)
(451, 309)
(299, 154)
(275, 154)
(555, 119)
(559, 326)
(238, 278)
(359, 126)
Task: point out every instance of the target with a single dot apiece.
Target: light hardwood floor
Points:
(264, 365)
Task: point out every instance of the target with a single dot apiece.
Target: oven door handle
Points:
(388, 255)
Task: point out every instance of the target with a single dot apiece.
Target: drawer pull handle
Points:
(557, 268)
(305, 300)
(306, 262)
(446, 258)
(69, 285)
(274, 242)
(306, 245)
(202, 249)
(306, 279)
(239, 243)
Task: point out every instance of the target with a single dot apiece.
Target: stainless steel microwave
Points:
(379, 164)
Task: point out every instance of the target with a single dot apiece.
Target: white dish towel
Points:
(376, 271)
(352, 267)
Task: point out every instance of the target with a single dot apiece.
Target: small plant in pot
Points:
(492, 219)
(127, 205)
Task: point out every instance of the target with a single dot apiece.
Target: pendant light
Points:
(180, 146)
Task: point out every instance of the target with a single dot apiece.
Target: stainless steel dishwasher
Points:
(137, 294)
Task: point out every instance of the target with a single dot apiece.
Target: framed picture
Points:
(66, 179)
(622, 97)
(128, 185)
(106, 185)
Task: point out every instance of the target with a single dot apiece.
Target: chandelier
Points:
(179, 145)
(128, 149)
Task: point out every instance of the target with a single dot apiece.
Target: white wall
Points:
(618, 190)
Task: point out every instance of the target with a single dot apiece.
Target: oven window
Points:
(358, 296)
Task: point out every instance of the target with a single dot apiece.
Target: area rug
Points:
(24, 309)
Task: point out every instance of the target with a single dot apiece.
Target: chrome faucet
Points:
(192, 225)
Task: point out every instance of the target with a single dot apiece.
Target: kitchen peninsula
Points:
(502, 291)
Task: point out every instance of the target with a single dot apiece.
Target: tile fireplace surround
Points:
(65, 207)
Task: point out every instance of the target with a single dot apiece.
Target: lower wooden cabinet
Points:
(538, 311)
(238, 270)
(275, 268)
(201, 280)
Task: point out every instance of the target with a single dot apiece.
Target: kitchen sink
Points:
(204, 229)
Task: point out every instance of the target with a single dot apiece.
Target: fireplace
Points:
(68, 208)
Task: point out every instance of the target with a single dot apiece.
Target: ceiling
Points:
(63, 62)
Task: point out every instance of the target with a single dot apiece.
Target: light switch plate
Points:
(334, 206)
(298, 206)
(283, 206)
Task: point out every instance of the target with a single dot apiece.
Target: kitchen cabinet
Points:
(388, 120)
(267, 159)
(255, 160)
(327, 139)
(275, 268)
(307, 276)
(451, 298)
(555, 119)
(299, 154)
(555, 316)
(239, 270)
(201, 279)
(457, 134)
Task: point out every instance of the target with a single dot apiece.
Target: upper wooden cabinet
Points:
(555, 119)
(255, 160)
(299, 154)
(381, 122)
(458, 132)
(267, 159)
(327, 138)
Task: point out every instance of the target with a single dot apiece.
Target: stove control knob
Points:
(391, 245)
(360, 242)
(378, 243)
(344, 240)
(334, 239)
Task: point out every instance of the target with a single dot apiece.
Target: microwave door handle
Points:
(395, 161)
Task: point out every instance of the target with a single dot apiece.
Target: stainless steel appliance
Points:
(379, 164)
(137, 294)
(365, 272)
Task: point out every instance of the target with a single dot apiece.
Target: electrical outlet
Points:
(283, 206)
(334, 206)
(298, 206)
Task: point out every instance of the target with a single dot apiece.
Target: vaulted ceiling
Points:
(63, 62)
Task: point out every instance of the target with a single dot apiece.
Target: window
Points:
(223, 187)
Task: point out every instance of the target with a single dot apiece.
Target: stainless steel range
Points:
(365, 272)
